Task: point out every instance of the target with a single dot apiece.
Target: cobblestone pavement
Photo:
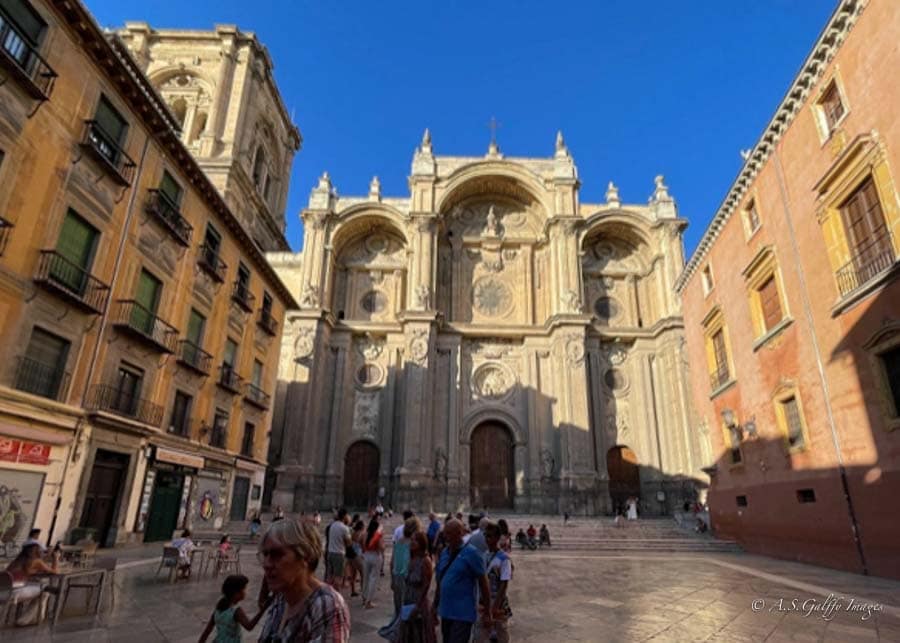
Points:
(558, 596)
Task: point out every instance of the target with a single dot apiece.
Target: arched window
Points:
(259, 165)
(179, 110)
(199, 126)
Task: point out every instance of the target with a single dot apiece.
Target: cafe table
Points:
(62, 579)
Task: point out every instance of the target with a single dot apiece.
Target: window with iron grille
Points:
(76, 246)
(127, 389)
(793, 422)
(170, 188)
(113, 128)
(219, 429)
(770, 303)
(831, 105)
(179, 423)
(721, 356)
(213, 242)
(41, 371)
(867, 233)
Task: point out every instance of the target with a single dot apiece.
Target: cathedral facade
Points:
(486, 341)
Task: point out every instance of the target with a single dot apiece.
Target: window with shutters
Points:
(768, 306)
(127, 390)
(219, 433)
(196, 327)
(247, 442)
(884, 355)
(179, 422)
(112, 130)
(170, 189)
(706, 277)
(75, 249)
(789, 417)
(868, 238)
(830, 107)
(230, 354)
(146, 303)
(890, 360)
(256, 377)
(42, 369)
(718, 354)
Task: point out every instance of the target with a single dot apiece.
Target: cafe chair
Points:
(86, 556)
(169, 559)
(228, 560)
(109, 564)
(8, 599)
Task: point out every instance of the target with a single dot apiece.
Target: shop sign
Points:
(24, 452)
(177, 457)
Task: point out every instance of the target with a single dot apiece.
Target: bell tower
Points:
(219, 85)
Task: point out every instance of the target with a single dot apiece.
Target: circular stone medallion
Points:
(491, 297)
(614, 379)
(369, 375)
(493, 382)
(606, 308)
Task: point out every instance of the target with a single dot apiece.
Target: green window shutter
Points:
(195, 328)
(230, 352)
(76, 244)
(170, 188)
(143, 316)
(28, 23)
(110, 121)
(257, 374)
(213, 239)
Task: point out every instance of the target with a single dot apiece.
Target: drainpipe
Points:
(104, 322)
(820, 367)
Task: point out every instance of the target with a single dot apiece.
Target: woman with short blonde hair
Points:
(303, 608)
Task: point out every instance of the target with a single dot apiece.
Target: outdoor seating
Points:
(109, 564)
(228, 560)
(8, 600)
(170, 558)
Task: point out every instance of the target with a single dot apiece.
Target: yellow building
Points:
(139, 321)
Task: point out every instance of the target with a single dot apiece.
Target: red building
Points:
(792, 313)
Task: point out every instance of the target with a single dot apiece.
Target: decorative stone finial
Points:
(661, 193)
(321, 196)
(493, 150)
(375, 189)
(562, 152)
(612, 195)
(324, 181)
(425, 147)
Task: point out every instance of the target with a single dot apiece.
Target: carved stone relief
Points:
(365, 413)
(493, 381)
(491, 297)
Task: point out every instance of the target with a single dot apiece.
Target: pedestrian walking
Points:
(417, 620)
(337, 537)
(373, 558)
(460, 577)
(355, 562)
(499, 573)
(434, 526)
(228, 618)
(303, 608)
(400, 557)
(255, 526)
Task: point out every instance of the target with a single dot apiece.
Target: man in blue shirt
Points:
(461, 580)
(433, 528)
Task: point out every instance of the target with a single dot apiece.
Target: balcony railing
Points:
(107, 151)
(168, 214)
(242, 296)
(229, 379)
(194, 357)
(143, 324)
(209, 261)
(718, 378)
(37, 378)
(268, 323)
(872, 258)
(71, 281)
(256, 396)
(5, 227)
(102, 397)
(21, 58)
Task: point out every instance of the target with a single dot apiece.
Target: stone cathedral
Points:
(486, 341)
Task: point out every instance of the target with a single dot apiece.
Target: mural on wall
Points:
(19, 495)
(210, 501)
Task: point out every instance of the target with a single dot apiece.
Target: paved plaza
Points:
(557, 595)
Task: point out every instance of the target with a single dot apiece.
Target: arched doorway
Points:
(360, 475)
(491, 464)
(624, 475)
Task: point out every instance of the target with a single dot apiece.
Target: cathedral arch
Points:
(361, 463)
(495, 415)
(493, 178)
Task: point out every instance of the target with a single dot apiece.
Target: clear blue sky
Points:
(638, 88)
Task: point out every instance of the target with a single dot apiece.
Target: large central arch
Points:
(492, 466)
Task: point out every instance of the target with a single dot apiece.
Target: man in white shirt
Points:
(337, 537)
(476, 538)
(34, 539)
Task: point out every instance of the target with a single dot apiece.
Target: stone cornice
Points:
(829, 41)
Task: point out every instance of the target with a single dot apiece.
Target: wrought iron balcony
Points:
(256, 396)
(5, 227)
(871, 259)
(209, 261)
(143, 324)
(47, 380)
(217, 437)
(23, 61)
(229, 379)
(242, 296)
(268, 323)
(102, 397)
(72, 282)
(107, 151)
(192, 356)
(168, 214)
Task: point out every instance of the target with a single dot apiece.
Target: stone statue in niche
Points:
(310, 297)
(548, 464)
(571, 302)
(491, 228)
(440, 464)
(423, 295)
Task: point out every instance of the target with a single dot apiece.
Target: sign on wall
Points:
(20, 492)
(24, 452)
